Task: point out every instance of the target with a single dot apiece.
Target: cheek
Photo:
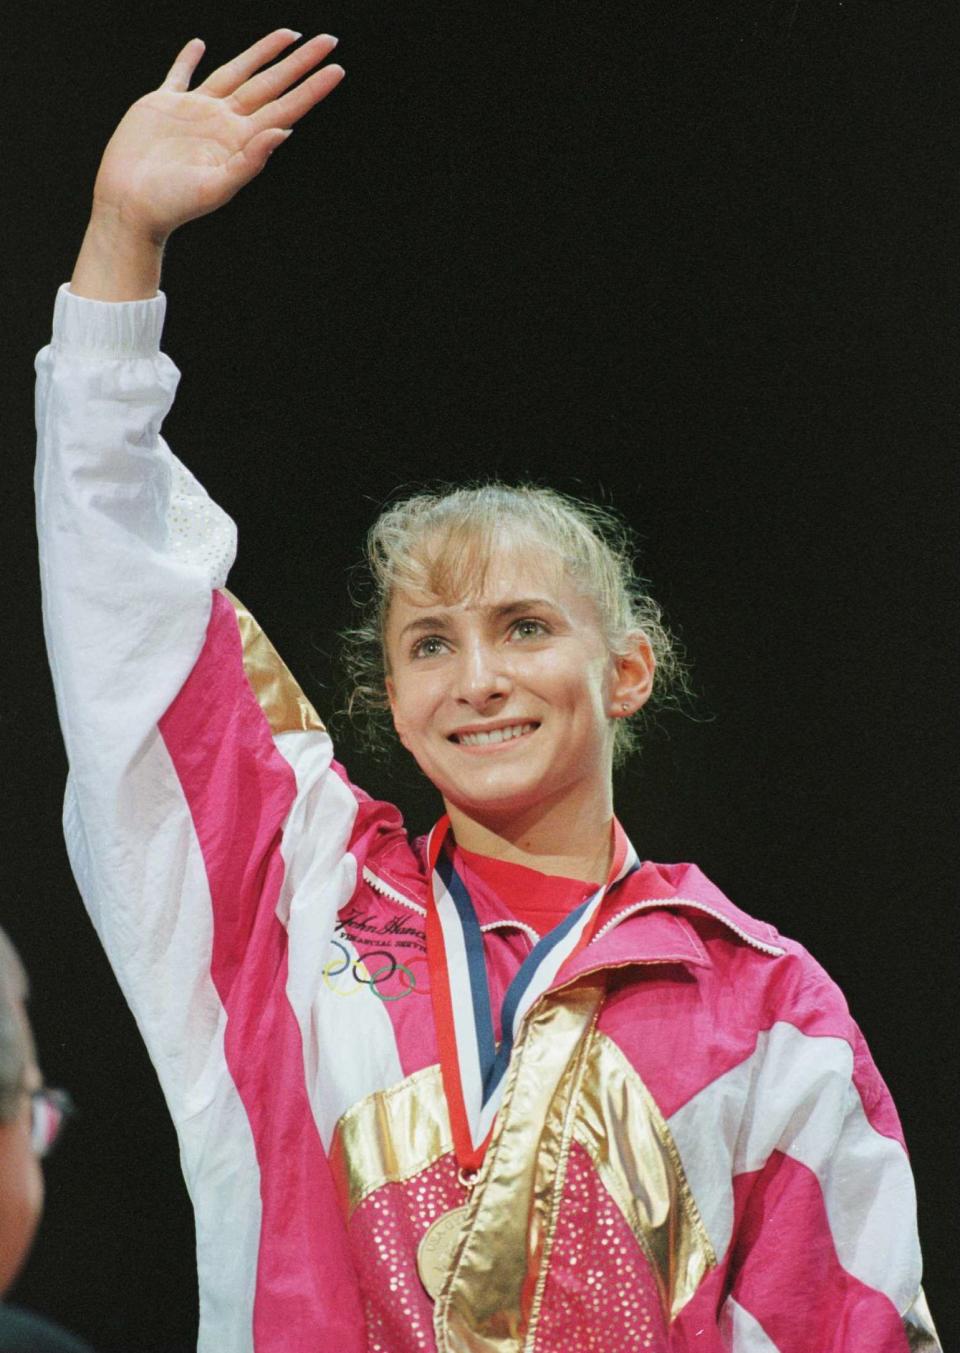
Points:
(411, 705)
(21, 1199)
(581, 688)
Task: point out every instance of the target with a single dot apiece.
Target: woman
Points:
(505, 1088)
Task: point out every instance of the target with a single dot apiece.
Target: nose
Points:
(483, 679)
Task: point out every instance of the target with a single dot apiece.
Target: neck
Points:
(550, 837)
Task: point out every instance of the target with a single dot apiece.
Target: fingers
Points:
(286, 111)
(271, 83)
(229, 77)
(181, 72)
(258, 150)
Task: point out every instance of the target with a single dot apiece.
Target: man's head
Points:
(21, 1179)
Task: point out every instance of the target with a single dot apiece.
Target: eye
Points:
(428, 647)
(528, 628)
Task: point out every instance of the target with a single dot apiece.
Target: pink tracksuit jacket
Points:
(720, 1166)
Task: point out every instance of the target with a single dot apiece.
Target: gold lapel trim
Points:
(389, 1137)
(599, 1102)
(491, 1298)
(623, 1131)
(284, 704)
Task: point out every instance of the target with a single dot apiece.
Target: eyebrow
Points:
(442, 621)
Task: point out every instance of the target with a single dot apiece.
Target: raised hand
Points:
(179, 153)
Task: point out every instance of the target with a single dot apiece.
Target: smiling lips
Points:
(494, 736)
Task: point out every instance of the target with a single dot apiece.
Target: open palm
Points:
(180, 153)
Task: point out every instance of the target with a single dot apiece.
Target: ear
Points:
(633, 677)
(394, 713)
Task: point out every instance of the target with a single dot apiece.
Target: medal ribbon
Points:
(472, 1066)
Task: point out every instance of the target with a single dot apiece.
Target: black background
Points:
(687, 258)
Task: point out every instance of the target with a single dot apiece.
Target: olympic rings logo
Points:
(357, 976)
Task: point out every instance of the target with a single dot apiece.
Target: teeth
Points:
(496, 735)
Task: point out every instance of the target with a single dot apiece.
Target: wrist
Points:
(117, 228)
(118, 261)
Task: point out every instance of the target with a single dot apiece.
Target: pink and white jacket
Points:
(720, 1166)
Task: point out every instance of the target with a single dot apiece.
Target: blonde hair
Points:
(442, 543)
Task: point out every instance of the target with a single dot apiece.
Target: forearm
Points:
(130, 545)
(116, 263)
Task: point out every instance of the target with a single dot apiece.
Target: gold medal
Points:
(438, 1248)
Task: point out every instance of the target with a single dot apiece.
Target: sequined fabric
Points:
(600, 1292)
(198, 532)
(385, 1231)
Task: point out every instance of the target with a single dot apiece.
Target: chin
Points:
(492, 791)
(494, 798)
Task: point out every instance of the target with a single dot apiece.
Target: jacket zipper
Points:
(378, 885)
(774, 950)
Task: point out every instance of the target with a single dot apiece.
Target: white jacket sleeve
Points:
(131, 548)
(209, 832)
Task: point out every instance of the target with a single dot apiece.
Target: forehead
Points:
(509, 569)
(511, 574)
(31, 1072)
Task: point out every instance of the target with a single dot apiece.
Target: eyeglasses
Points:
(49, 1111)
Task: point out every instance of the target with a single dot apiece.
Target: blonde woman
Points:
(505, 1087)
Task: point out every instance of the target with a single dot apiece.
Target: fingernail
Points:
(287, 133)
(330, 38)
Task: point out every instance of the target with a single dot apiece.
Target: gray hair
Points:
(15, 1043)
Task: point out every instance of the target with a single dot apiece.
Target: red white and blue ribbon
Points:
(473, 1067)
